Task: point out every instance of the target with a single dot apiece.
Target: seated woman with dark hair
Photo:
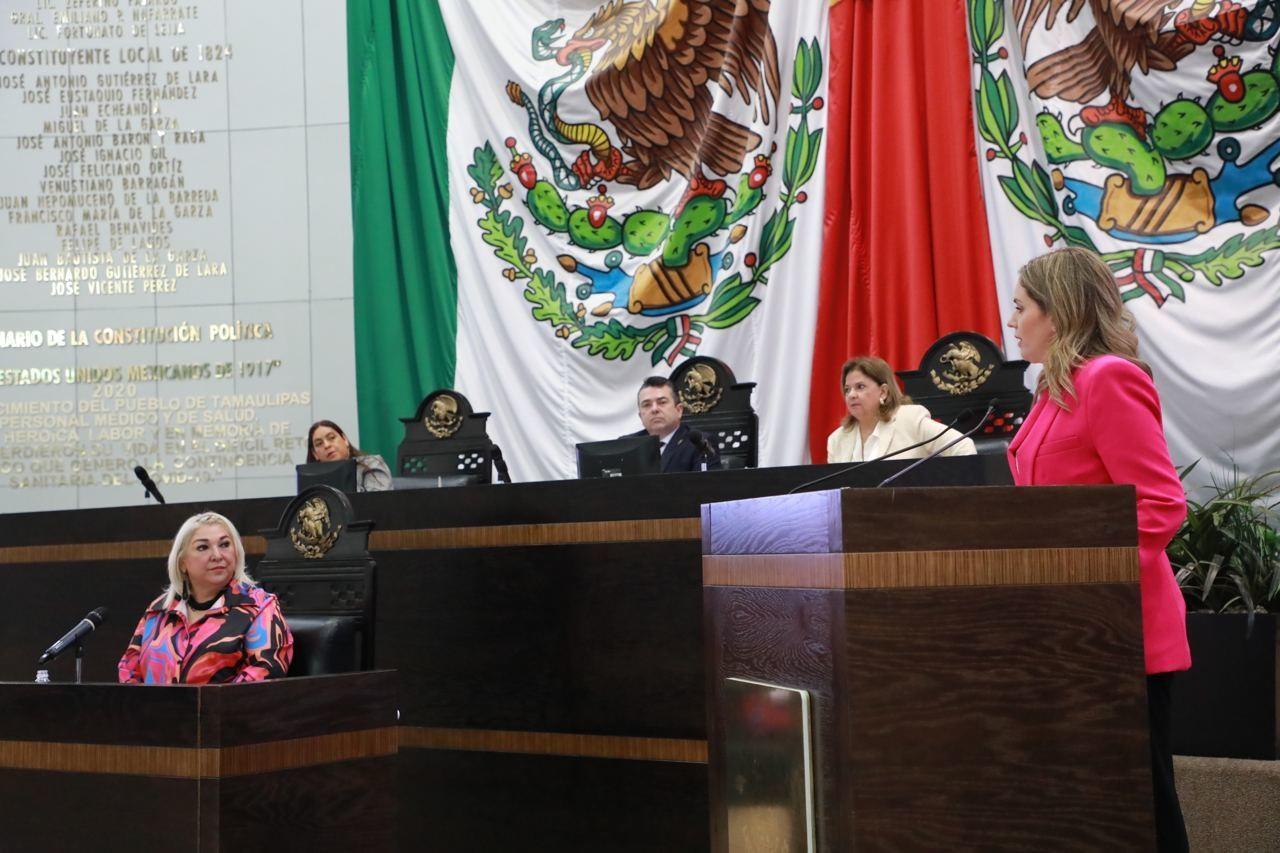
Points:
(212, 625)
(882, 420)
(326, 442)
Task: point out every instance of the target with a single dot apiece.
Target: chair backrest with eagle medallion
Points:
(445, 443)
(718, 405)
(318, 565)
(959, 376)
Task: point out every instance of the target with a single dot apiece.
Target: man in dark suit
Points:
(683, 449)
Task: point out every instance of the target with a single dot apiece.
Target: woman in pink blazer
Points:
(1096, 419)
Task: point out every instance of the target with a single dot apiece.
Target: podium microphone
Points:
(147, 483)
(504, 475)
(706, 452)
(701, 442)
(944, 448)
(73, 637)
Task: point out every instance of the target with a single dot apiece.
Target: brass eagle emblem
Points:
(963, 372)
(700, 391)
(442, 418)
(312, 533)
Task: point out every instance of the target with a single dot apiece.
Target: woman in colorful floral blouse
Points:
(212, 625)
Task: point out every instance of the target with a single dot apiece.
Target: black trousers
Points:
(1171, 832)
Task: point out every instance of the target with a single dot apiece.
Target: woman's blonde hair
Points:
(183, 539)
(1077, 291)
(879, 372)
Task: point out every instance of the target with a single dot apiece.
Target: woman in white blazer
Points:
(882, 420)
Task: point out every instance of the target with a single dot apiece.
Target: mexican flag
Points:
(554, 200)
(567, 198)
(1151, 135)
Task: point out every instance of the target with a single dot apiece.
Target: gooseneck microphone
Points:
(701, 442)
(944, 448)
(504, 475)
(83, 628)
(147, 483)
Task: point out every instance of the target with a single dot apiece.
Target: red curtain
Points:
(906, 254)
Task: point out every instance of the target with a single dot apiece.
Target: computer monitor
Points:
(632, 454)
(341, 475)
(436, 481)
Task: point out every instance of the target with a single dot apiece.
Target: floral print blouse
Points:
(245, 638)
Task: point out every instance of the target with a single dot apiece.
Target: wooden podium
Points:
(301, 763)
(970, 664)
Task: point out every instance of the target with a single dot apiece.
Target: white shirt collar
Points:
(870, 449)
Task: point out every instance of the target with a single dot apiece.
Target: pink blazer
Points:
(1113, 434)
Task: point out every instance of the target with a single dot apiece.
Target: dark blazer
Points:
(681, 454)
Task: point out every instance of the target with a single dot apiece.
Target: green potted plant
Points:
(1227, 560)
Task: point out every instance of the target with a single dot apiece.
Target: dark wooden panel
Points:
(143, 522)
(524, 535)
(555, 743)
(952, 718)
(346, 806)
(587, 639)
(786, 637)
(297, 707)
(484, 802)
(210, 823)
(98, 714)
(1228, 704)
(125, 812)
(997, 718)
(557, 501)
(56, 596)
(948, 519)
(597, 639)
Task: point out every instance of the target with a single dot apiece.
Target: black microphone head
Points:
(139, 472)
(97, 616)
(981, 408)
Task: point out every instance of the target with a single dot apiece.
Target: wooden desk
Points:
(548, 638)
(214, 768)
(972, 658)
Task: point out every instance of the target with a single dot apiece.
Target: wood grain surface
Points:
(482, 802)
(958, 718)
(555, 743)
(805, 523)
(196, 763)
(925, 519)
(892, 569)
(779, 636)
(523, 535)
(599, 639)
(997, 718)
(491, 536)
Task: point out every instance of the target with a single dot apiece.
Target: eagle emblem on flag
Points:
(1163, 177)
(679, 98)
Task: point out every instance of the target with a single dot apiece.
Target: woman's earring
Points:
(186, 587)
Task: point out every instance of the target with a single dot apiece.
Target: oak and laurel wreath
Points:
(1029, 189)
(732, 300)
